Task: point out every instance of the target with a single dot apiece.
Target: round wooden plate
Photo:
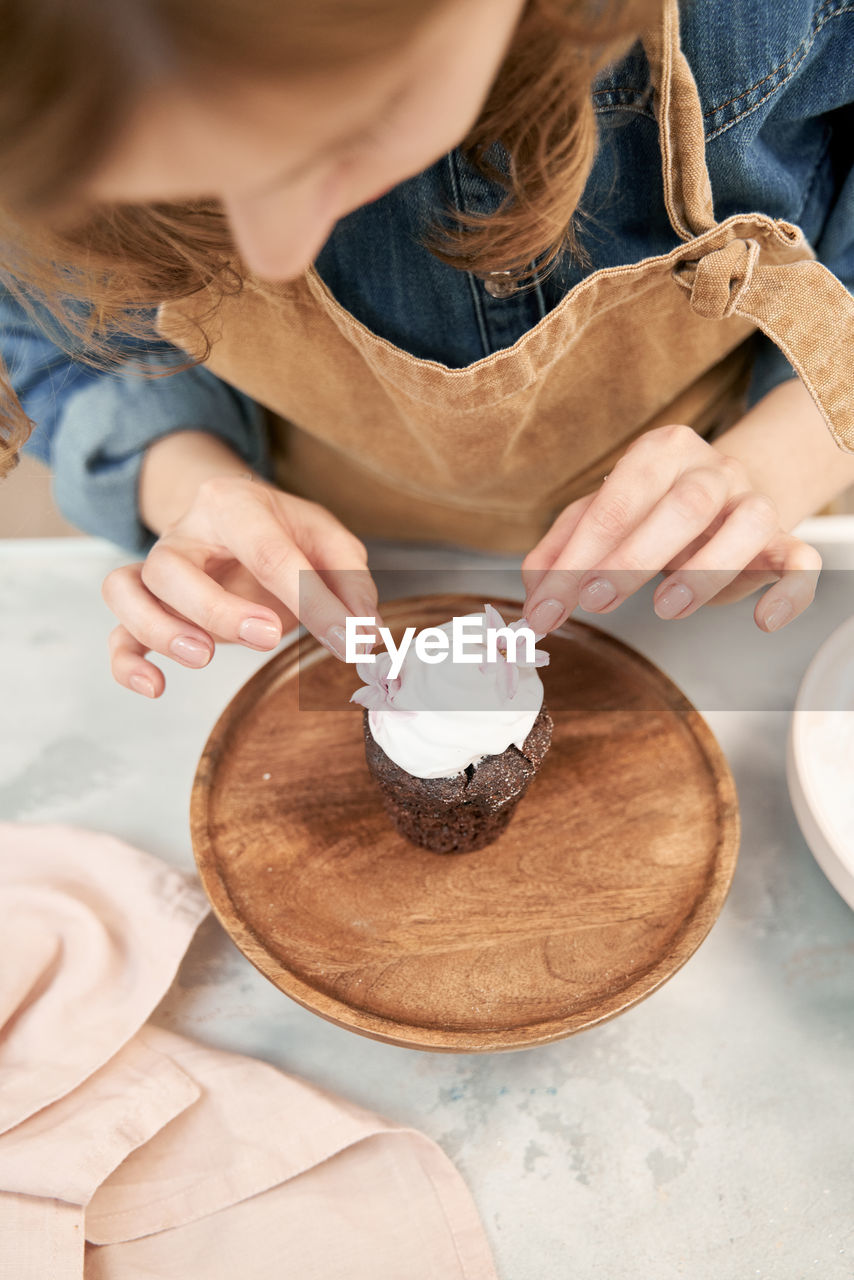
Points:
(612, 871)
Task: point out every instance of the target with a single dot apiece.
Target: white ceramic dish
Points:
(820, 758)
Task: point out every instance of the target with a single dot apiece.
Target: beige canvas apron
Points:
(488, 455)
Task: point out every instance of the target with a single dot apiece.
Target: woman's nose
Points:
(279, 235)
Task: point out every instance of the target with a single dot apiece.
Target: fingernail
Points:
(335, 641)
(365, 629)
(257, 632)
(776, 617)
(597, 594)
(546, 615)
(141, 684)
(676, 598)
(190, 651)
(367, 607)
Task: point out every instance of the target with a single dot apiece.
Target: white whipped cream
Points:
(474, 715)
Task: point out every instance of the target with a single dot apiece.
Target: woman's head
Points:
(143, 141)
(286, 155)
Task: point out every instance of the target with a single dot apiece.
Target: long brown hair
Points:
(72, 72)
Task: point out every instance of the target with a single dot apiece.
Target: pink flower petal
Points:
(512, 679)
(538, 635)
(369, 696)
(507, 679)
(493, 617)
(383, 664)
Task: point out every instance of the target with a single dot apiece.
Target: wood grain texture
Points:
(613, 870)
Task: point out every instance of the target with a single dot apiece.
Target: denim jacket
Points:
(776, 85)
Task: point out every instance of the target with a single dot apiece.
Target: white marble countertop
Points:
(706, 1133)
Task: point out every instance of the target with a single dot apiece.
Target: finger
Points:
(355, 588)
(795, 591)
(638, 481)
(751, 579)
(154, 627)
(333, 550)
(129, 667)
(751, 526)
(236, 579)
(541, 557)
(359, 596)
(252, 531)
(690, 506)
(171, 575)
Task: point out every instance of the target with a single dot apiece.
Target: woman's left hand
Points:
(672, 503)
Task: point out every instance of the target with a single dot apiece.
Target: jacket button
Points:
(500, 284)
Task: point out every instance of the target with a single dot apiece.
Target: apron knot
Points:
(718, 279)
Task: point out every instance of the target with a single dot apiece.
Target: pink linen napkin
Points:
(129, 1151)
(91, 935)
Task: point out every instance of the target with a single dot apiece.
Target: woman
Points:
(472, 356)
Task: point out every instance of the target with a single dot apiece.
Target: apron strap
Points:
(802, 308)
(687, 189)
(799, 304)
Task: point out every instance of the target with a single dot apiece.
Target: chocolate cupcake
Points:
(468, 810)
(453, 747)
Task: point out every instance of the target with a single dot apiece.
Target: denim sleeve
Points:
(93, 426)
(834, 247)
(770, 368)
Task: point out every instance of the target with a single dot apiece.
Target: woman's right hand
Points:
(244, 563)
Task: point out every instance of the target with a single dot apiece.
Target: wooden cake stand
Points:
(612, 871)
